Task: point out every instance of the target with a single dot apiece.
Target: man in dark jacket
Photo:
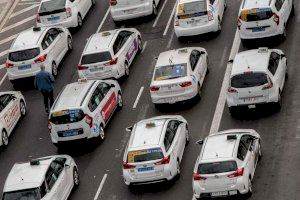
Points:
(44, 83)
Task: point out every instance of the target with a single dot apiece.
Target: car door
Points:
(246, 141)
(109, 101)
(174, 138)
(122, 48)
(280, 7)
(276, 69)
(48, 45)
(59, 43)
(195, 65)
(61, 173)
(10, 111)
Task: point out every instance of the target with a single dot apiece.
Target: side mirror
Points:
(156, 58)
(13, 97)
(199, 142)
(112, 85)
(282, 56)
(202, 52)
(129, 129)
(66, 166)
(230, 61)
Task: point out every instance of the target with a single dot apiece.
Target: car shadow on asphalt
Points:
(199, 38)
(271, 42)
(179, 106)
(257, 113)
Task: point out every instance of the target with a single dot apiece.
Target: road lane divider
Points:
(3, 78)
(170, 20)
(24, 10)
(103, 20)
(138, 97)
(19, 23)
(144, 46)
(100, 187)
(159, 14)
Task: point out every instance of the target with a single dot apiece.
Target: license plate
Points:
(251, 99)
(193, 21)
(145, 169)
(24, 67)
(94, 69)
(130, 11)
(233, 192)
(70, 133)
(251, 106)
(53, 18)
(217, 194)
(258, 29)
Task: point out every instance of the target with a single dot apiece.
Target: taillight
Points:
(198, 177)
(113, 2)
(238, 172)
(41, 59)
(210, 16)
(276, 18)
(268, 86)
(186, 84)
(49, 126)
(231, 90)
(154, 88)
(128, 166)
(176, 22)
(68, 12)
(81, 67)
(8, 64)
(239, 23)
(38, 19)
(113, 61)
(164, 161)
(89, 120)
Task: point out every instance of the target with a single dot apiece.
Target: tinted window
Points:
(95, 58)
(242, 151)
(51, 177)
(249, 80)
(144, 155)
(212, 1)
(170, 133)
(195, 55)
(256, 14)
(43, 190)
(170, 72)
(217, 167)
(54, 32)
(30, 194)
(247, 141)
(57, 167)
(192, 9)
(67, 116)
(104, 88)
(95, 100)
(121, 40)
(4, 101)
(23, 55)
(278, 4)
(47, 7)
(273, 62)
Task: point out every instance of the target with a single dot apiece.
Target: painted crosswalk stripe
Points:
(24, 10)
(8, 39)
(18, 24)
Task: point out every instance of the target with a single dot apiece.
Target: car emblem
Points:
(249, 92)
(216, 176)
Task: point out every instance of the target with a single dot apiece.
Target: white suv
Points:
(264, 18)
(227, 163)
(83, 109)
(68, 13)
(36, 46)
(47, 178)
(155, 150)
(257, 77)
(109, 54)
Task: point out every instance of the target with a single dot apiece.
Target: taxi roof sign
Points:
(150, 125)
(262, 49)
(82, 80)
(35, 162)
(105, 33)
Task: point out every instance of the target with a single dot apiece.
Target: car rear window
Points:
(23, 194)
(217, 167)
(192, 9)
(249, 80)
(52, 6)
(67, 116)
(256, 14)
(95, 58)
(23, 55)
(170, 72)
(144, 155)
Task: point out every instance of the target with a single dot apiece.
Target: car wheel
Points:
(199, 92)
(120, 101)
(140, 45)
(178, 167)
(249, 193)
(219, 25)
(293, 11)
(126, 70)
(76, 179)
(279, 102)
(101, 133)
(54, 69)
(259, 152)
(22, 108)
(283, 35)
(207, 63)
(79, 21)
(70, 44)
(93, 2)
(154, 9)
(225, 4)
(187, 137)
(4, 138)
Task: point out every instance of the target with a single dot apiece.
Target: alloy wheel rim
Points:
(250, 185)
(140, 44)
(4, 138)
(54, 69)
(178, 168)
(76, 179)
(126, 69)
(23, 110)
(79, 21)
(70, 45)
(101, 133)
(120, 100)
(154, 9)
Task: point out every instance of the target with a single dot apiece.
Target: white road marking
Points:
(8, 14)
(28, 3)
(138, 97)
(103, 20)
(19, 23)
(3, 53)
(222, 97)
(100, 186)
(144, 46)
(170, 40)
(2, 66)
(158, 16)
(9, 39)
(170, 20)
(3, 78)
(23, 10)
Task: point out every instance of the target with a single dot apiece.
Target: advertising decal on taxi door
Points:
(10, 116)
(131, 51)
(109, 107)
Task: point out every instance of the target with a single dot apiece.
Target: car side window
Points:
(104, 88)
(5, 100)
(95, 100)
(212, 2)
(278, 4)
(58, 167)
(43, 190)
(273, 62)
(121, 40)
(194, 58)
(54, 32)
(51, 178)
(47, 41)
(242, 151)
(247, 141)
(170, 133)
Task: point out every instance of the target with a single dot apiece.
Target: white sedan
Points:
(179, 75)
(12, 109)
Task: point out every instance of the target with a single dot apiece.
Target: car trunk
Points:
(53, 11)
(171, 87)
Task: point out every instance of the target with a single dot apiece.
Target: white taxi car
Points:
(12, 109)
(68, 13)
(179, 75)
(83, 109)
(36, 46)
(109, 54)
(257, 77)
(155, 150)
(128, 9)
(264, 18)
(46, 178)
(194, 17)
(227, 163)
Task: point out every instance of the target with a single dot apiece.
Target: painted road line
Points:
(144, 46)
(103, 20)
(28, 3)
(23, 10)
(222, 96)
(8, 14)
(3, 53)
(28, 19)
(4, 77)
(138, 97)
(170, 40)
(10, 38)
(170, 20)
(100, 186)
(2, 66)
(158, 16)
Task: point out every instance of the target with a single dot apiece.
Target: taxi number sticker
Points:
(132, 154)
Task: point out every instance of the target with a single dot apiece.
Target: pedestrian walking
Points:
(44, 83)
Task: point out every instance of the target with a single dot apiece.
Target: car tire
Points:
(22, 108)
(178, 167)
(279, 102)
(249, 193)
(259, 152)
(76, 179)
(120, 101)
(93, 2)
(283, 35)
(126, 70)
(292, 11)
(79, 21)
(70, 44)
(199, 94)
(187, 137)
(4, 138)
(54, 69)
(154, 10)
(101, 133)
(207, 64)
(219, 25)
(140, 45)
(225, 4)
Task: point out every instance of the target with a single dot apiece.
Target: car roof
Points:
(72, 95)
(175, 56)
(25, 176)
(251, 60)
(249, 4)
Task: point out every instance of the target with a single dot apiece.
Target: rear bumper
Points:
(115, 74)
(196, 30)
(141, 10)
(233, 102)
(171, 99)
(68, 23)
(247, 34)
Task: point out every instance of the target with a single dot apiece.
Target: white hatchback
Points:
(227, 163)
(128, 9)
(109, 54)
(83, 109)
(257, 77)
(68, 13)
(36, 46)
(155, 150)
(194, 17)
(179, 75)
(264, 18)
(47, 178)
(12, 109)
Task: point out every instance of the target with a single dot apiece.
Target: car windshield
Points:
(256, 14)
(95, 58)
(52, 5)
(144, 155)
(67, 116)
(249, 80)
(170, 72)
(23, 55)
(30, 194)
(217, 167)
(192, 9)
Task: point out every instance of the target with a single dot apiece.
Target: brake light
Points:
(239, 23)
(164, 161)
(238, 172)
(210, 16)
(49, 126)
(186, 84)
(38, 19)
(231, 90)
(268, 86)
(89, 120)
(8, 64)
(198, 177)
(128, 166)
(81, 67)
(68, 12)
(154, 88)
(113, 2)
(276, 18)
(176, 22)
(113, 61)
(41, 59)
